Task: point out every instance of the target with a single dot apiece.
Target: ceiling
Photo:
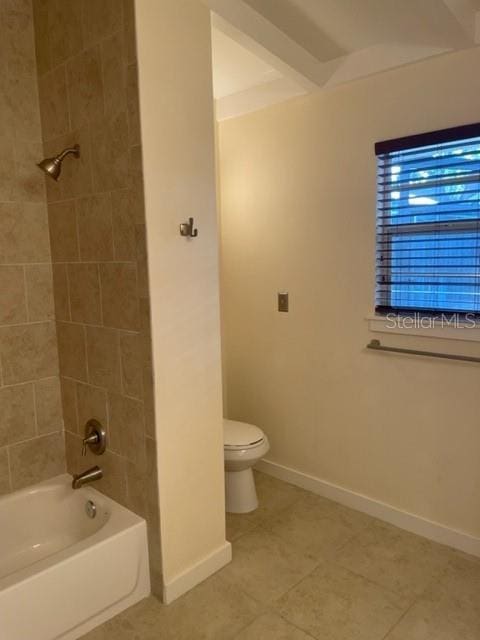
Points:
(266, 51)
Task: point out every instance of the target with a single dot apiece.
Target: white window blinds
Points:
(428, 222)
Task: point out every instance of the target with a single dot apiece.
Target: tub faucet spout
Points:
(90, 475)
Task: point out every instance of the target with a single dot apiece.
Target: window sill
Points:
(430, 328)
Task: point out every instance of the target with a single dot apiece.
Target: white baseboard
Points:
(197, 573)
(402, 519)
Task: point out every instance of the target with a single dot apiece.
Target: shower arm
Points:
(75, 150)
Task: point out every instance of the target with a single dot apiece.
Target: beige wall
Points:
(298, 214)
(31, 439)
(88, 95)
(178, 151)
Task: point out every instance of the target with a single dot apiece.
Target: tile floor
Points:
(306, 568)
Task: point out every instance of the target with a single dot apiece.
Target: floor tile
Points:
(273, 496)
(272, 627)
(317, 525)
(395, 559)
(265, 567)
(237, 524)
(449, 610)
(334, 604)
(215, 610)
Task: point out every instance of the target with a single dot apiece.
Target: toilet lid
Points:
(240, 434)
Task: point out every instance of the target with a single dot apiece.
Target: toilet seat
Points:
(241, 435)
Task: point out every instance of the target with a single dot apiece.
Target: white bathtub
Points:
(61, 572)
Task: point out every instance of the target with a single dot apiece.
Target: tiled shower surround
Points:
(92, 245)
(31, 439)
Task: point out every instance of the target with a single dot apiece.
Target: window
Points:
(428, 222)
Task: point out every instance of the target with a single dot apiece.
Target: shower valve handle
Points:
(95, 438)
(92, 439)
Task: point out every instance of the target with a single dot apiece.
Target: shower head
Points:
(53, 166)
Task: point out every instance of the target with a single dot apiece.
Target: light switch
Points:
(283, 302)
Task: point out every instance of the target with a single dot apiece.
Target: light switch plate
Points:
(283, 302)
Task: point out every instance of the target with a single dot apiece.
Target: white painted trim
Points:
(197, 573)
(402, 519)
(463, 332)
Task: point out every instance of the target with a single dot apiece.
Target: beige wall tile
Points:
(17, 414)
(95, 227)
(28, 352)
(60, 288)
(142, 268)
(84, 291)
(110, 153)
(133, 108)
(24, 233)
(63, 231)
(12, 301)
(123, 221)
(37, 460)
(103, 354)
(114, 74)
(17, 23)
(7, 161)
(71, 350)
(127, 428)
(4, 472)
(48, 403)
(131, 364)
(54, 103)
(100, 19)
(85, 87)
(23, 93)
(69, 404)
(129, 29)
(39, 281)
(119, 295)
(136, 488)
(65, 29)
(40, 13)
(137, 202)
(148, 400)
(29, 180)
(91, 403)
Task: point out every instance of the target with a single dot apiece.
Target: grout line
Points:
(9, 465)
(397, 622)
(100, 293)
(80, 261)
(69, 304)
(25, 382)
(27, 324)
(85, 347)
(25, 264)
(37, 437)
(35, 413)
(25, 288)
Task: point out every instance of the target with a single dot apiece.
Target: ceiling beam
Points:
(467, 15)
(254, 32)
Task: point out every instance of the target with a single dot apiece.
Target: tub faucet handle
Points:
(95, 438)
(92, 439)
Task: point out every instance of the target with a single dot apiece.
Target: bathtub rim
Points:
(120, 521)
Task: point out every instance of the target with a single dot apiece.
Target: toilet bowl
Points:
(244, 444)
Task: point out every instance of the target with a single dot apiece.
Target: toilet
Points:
(244, 444)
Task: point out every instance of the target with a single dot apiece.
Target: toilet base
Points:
(240, 492)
